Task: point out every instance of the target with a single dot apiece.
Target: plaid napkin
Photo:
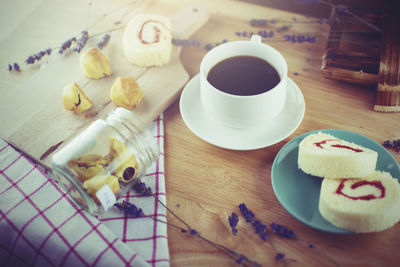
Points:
(41, 226)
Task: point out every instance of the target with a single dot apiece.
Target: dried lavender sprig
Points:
(233, 221)
(81, 42)
(130, 209)
(281, 230)
(138, 187)
(248, 214)
(283, 29)
(260, 228)
(300, 38)
(258, 22)
(227, 251)
(142, 189)
(327, 39)
(38, 56)
(14, 66)
(104, 41)
(279, 256)
(66, 45)
(388, 144)
(395, 145)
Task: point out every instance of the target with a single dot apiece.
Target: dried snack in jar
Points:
(124, 161)
(95, 183)
(88, 166)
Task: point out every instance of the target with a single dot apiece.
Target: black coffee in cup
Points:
(243, 76)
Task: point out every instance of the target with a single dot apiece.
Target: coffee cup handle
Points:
(256, 39)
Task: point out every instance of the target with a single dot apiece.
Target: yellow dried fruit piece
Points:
(126, 166)
(74, 99)
(88, 166)
(93, 184)
(126, 92)
(95, 64)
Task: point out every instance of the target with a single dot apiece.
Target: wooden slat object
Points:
(352, 50)
(388, 95)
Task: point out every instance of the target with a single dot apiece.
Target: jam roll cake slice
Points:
(325, 155)
(147, 40)
(369, 204)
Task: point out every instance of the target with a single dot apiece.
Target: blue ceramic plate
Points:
(298, 192)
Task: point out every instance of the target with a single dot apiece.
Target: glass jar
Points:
(103, 161)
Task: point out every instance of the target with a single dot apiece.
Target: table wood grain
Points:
(206, 183)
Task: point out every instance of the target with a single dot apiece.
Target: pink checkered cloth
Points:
(41, 226)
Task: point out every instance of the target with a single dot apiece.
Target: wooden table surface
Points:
(206, 183)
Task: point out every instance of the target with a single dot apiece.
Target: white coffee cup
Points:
(243, 111)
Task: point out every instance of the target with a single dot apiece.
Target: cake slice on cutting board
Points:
(147, 40)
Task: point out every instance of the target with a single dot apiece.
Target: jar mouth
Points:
(65, 179)
(135, 133)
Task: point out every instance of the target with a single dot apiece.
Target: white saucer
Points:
(267, 134)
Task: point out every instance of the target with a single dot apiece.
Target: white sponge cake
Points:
(325, 155)
(369, 204)
(147, 40)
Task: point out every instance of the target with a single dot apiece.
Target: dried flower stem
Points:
(80, 43)
(250, 218)
(231, 253)
(281, 39)
(131, 209)
(176, 216)
(227, 251)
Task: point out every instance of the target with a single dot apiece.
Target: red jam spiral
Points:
(376, 184)
(319, 144)
(156, 29)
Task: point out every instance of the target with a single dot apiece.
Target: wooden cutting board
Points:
(33, 118)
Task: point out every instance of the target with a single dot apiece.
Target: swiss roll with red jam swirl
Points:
(325, 155)
(147, 40)
(362, 205)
